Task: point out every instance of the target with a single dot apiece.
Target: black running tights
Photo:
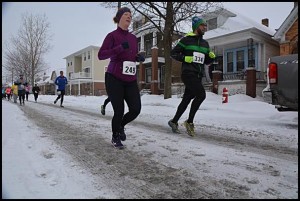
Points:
(193, 90)
(118, 92)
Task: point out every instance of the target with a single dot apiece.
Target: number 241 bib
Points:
(129, 68)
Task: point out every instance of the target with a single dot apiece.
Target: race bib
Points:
(129, 68)
(22, 86)
(198, 57)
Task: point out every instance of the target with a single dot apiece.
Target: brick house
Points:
(287, 34)
(151, 72)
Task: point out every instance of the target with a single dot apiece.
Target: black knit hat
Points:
(121, 11)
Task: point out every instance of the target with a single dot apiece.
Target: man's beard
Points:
(200, 32)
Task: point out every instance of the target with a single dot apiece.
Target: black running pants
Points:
(119, 91)
(193, 90)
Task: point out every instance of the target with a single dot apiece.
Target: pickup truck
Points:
(282, 79)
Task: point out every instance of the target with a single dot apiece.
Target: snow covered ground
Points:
(242, 149)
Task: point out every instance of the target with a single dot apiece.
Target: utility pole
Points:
(119, 5)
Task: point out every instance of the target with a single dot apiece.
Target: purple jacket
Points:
(112, 48)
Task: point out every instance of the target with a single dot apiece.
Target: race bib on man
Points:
(198, 57)
(129, 68)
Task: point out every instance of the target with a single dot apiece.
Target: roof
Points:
(237, 23)
(82, 50)
(286, 25)
(46, 81)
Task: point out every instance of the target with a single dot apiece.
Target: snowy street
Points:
(245, 149)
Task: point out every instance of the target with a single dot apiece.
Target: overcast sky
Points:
(76, 25)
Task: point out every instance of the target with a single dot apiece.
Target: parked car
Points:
(282, 88)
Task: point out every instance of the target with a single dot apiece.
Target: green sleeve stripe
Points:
(181, 44)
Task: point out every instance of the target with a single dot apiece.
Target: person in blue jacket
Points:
(61, 82)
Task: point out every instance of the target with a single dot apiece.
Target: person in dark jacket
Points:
(61, 82)
(121, 47)
(21, 89)
(193, 51)
(36, 91)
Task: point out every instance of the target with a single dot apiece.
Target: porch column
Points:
(141, 77)
(142, 48)
(154, 78)
(154, 42)
(217, 76)
(78, 87)
(251, 82)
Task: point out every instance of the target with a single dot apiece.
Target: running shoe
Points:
(174, 126)
(189, 128)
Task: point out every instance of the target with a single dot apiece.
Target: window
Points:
(84, 57)
(68, 63)
(230, 62)
(148, 44)
(139, 44)
(87, 70)
(212, 24)
(89, 55)
(219, 63)
(162, 74)
(71, 63)
(148, 49)
(148, 75)
(137, 24)
(240, 60)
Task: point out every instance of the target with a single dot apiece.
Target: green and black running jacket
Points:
(185, 47)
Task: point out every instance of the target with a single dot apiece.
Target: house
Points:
(85, 72)
(287, 34)
(241, 44)
(46, 83)
(238, 42)
(151, 72)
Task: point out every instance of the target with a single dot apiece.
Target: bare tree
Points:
(167, 18)
(24, 54)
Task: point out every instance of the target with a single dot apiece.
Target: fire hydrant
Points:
(225, 95)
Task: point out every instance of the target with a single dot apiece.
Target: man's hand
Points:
(212, 55)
